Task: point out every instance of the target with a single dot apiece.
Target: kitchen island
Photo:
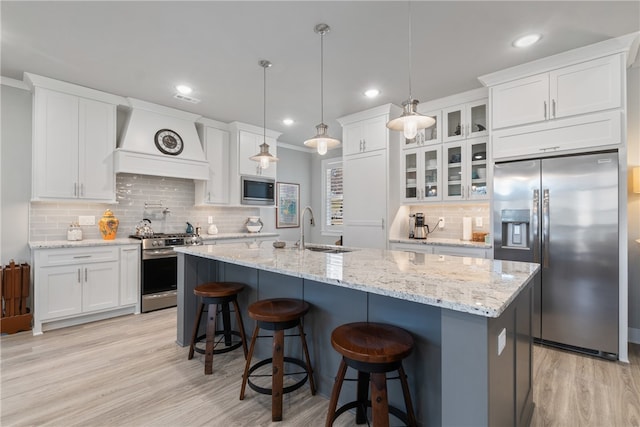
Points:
(470, 318)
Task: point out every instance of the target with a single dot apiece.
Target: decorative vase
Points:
(254, 225)
(108, 225)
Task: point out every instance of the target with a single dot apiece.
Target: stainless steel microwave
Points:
(257, 191)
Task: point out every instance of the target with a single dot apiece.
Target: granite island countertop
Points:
(473, 285)
(438, 241)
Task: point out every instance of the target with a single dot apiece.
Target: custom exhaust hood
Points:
(161, 141)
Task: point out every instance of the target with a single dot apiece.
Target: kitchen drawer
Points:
(412, 247)
(66, 256)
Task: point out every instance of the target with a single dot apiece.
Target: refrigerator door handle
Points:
(535, 224)
(545, 229)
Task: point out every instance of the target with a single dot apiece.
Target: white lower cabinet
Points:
(71, 285)
(130, 275)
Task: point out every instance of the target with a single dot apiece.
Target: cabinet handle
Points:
(79, 276)
(130, 249)
(360, 149)
(81, 190)
(75, 189)
(462, 191)
(85, 274)
(364, 145)
(82, 256)
(545, 110)
(382, 220)
(209, 195)
(553, 108)
(549, 148)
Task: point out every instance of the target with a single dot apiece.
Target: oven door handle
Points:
(158, 253)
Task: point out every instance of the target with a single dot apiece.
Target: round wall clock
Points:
(169, 142)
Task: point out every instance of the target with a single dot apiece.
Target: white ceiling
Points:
(143, 49)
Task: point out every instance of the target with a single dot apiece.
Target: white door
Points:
(129, 275)
(375, 134)
(101, 286)
(218, 156)
(365, 200)
(586, 87)
(55, 148)
(59, 292)
(97, 127)
(521, 101)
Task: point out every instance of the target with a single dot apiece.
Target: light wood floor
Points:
(128, 371)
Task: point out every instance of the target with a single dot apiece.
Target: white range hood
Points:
(137, 151)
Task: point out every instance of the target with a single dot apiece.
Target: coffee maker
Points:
(419, 228)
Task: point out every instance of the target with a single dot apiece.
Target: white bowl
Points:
(254, 228)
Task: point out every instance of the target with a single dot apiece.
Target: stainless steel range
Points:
(160, 268)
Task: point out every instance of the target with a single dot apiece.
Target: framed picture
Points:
(288, 205)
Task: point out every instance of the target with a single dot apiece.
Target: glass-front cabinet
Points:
(465, 121)
(421, 174)
(431, 135)
(465, 167)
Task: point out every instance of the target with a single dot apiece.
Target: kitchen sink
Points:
(328, 249)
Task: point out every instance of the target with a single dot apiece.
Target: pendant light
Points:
(410, 121)
(322, 141)
(264, 157)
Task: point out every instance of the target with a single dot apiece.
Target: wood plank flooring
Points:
(128, 371)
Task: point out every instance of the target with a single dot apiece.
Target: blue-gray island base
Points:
(470, 318)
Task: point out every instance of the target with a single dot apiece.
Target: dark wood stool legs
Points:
(277, 315)
(217, 297)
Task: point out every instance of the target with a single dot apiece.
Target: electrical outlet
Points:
(441, 223)
(210, 220)
(478, 221)
(502, 341)
(87, 220)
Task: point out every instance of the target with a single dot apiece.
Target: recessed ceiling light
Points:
(183, 89)
(371, 93)
(527, 40)
(287, 122)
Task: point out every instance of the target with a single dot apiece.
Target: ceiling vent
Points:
(186, 98)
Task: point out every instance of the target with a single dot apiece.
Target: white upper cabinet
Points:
(365, 136)
(430, 136)
(421, 176)
(215, 191)
(73, 143)
(585, 87)
(465, 169)
(464, 121)
(249, 145)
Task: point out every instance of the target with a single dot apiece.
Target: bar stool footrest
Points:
(203, 337)
(285, 390)
(402, 416)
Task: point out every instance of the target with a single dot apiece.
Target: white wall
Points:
(294, 167)
(633, 209)
(15, 173)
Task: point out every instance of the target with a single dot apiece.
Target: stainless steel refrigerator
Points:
(562, 212)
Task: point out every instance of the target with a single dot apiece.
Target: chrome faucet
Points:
(301, 241)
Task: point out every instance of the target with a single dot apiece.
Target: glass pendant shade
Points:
(322, 141)
(264, 157)
(410, 121)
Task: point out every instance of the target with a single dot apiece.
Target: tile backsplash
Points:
(168, 201)
(453, 214)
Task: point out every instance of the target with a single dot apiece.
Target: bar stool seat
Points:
(373, 349)
(217, 296)
(277, 315)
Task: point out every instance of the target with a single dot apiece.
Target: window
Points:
(332, 196)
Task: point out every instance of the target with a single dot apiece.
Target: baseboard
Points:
(634, 335)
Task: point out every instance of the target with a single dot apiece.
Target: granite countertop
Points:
(472, 285)
(53, 244)
(233, 236)
(443, 242)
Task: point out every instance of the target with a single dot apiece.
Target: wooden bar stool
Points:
(277, 315)
(373, 349)
(217, 296)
